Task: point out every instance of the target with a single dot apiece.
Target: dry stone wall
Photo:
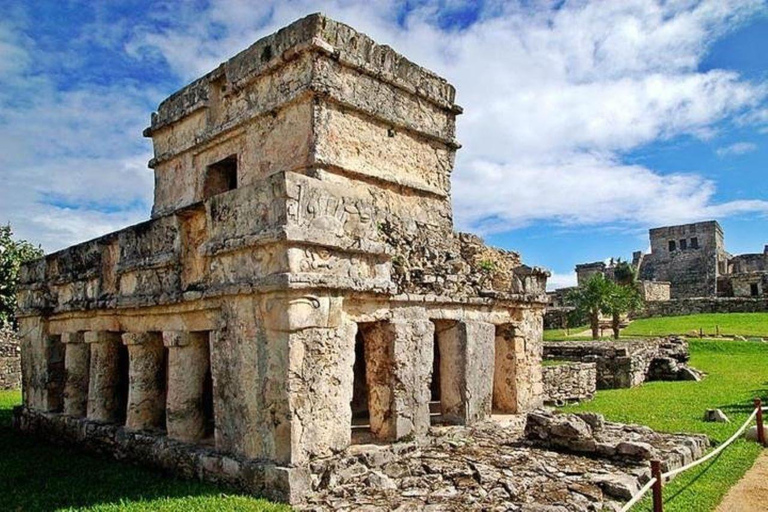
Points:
(569, 382)
(10, 359)
(619, 364)
(679, 307)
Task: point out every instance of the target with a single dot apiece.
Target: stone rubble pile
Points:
(491, 467)
(627, 363)
(590, 433)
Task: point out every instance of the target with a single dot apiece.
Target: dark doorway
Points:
(57, 374)
(123, 383)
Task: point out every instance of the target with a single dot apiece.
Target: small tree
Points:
(12, 254)
(624, 273)
(621, 300)
(591, 299)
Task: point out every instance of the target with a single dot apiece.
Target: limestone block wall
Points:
(10, 359)
(678, 307)
(750, 284)
(569, 382)
(688, 256)
(619, 364)
(654, 290)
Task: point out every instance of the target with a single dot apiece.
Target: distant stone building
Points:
(690, 261)
(299, 282)
(584, 271)
(694, 260)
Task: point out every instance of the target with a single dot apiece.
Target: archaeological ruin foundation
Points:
(299, 287)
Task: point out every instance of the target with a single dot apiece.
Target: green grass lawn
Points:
(737, 373)
(36, 476)
(730, 324)
(563, 334)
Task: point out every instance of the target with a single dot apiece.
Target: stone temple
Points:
(299, 287)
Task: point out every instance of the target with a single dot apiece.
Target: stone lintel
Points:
(73, 337)
(290, 313)
(101, 337)
(183, 338)
(141, 338)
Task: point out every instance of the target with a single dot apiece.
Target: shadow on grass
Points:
(748, 406)
(701, 472)
(36, 475)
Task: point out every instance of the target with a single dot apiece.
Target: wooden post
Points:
(701, 332)
(760, 429)
(717, 329)
(658, 502)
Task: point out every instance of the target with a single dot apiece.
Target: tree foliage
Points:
(624, 273)
(621, 300)
(591, 299)
(601, 296)
(12, 254)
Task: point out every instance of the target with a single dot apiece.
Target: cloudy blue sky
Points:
(585, 122)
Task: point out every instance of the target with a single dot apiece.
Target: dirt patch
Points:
(750, 494)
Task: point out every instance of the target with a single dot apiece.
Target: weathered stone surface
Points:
(302, 204)
(147, 376)
(716, 416)
(10, 359)
(590, 433)
(187, 364)
(466, 362)
(104, 403)
(487, 467)
(751, 433)
(569, 382)
(687, 373)
(623, 364)
(77, 363)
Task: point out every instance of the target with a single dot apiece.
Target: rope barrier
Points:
(647, 487)
(758, 410)
(713, 453)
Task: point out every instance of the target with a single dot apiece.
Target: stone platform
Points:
(491, 467)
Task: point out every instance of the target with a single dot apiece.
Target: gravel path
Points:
(750, 494)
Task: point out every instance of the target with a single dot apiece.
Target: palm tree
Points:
(593, 298)
(621, 299)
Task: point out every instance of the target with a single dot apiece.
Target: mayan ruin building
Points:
(690, 261)
(299, 287)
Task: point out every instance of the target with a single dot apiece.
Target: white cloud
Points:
(557, 281)
(73, 161)
(738, 148)
(553, 99)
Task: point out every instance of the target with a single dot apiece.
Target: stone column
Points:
(55, 373)
(529, 348)
(466, 371)
(77, 357)
(104, 378)
(398, 357)
(187, 365)
(510, 353)
(146, 377)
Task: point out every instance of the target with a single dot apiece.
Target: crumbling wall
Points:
(569, 382)
(679, 307)
(619, 364)
(10, 359)
(654, 290)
